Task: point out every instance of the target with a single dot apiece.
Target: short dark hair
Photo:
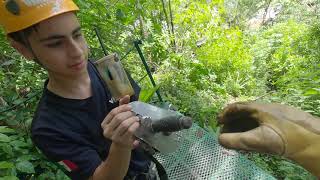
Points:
(22, 35)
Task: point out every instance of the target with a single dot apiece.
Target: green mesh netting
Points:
(201, 157)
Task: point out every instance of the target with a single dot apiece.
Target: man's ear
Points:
(22, 49)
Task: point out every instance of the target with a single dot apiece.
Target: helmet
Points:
(16, 15)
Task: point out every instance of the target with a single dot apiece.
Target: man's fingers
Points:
(114, 112)
(131, 130)
(235, 111)
(262, 139)
(136, 144)
(124, 100)
(235, 141)
(125, 125)
(238, 117)
(251, 140)
(119, 119)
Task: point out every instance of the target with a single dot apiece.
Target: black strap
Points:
(161, 171)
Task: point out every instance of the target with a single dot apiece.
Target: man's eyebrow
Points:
(54, 37)
(78, 29)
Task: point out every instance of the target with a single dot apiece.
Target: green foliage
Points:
(216, 60)
(20, 83)
(287, 57)
(147, 94)
(19, 158)
(280, 168)
(287, 60)
(192, 89)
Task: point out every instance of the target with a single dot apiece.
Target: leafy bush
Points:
(287, 57)
(213, 63)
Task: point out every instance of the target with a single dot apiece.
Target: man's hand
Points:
(272, 128)
(120, 125)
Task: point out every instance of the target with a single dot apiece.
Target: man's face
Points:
(59, 45)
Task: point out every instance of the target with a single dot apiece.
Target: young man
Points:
(75, 124)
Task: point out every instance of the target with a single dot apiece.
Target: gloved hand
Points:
(272, 128)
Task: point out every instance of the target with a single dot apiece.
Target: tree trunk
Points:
(166, 16)
(172, 28)
(266, 12)
(141, 22)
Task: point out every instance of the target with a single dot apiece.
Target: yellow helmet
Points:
(16, 15)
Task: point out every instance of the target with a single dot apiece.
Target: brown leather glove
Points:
(272, 128)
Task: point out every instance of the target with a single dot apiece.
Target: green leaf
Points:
(3, 117)
(146, 94)
(4, 138)
(119, 14)
(310, 92)
(25, 166)
(61, 175)
(18, 143)
(27, 158)
(6, 165)
(5, 129)
(9, 178)
(18, 101)
(7, 149)
(46, 176)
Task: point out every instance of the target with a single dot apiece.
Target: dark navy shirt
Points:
(69, 130)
